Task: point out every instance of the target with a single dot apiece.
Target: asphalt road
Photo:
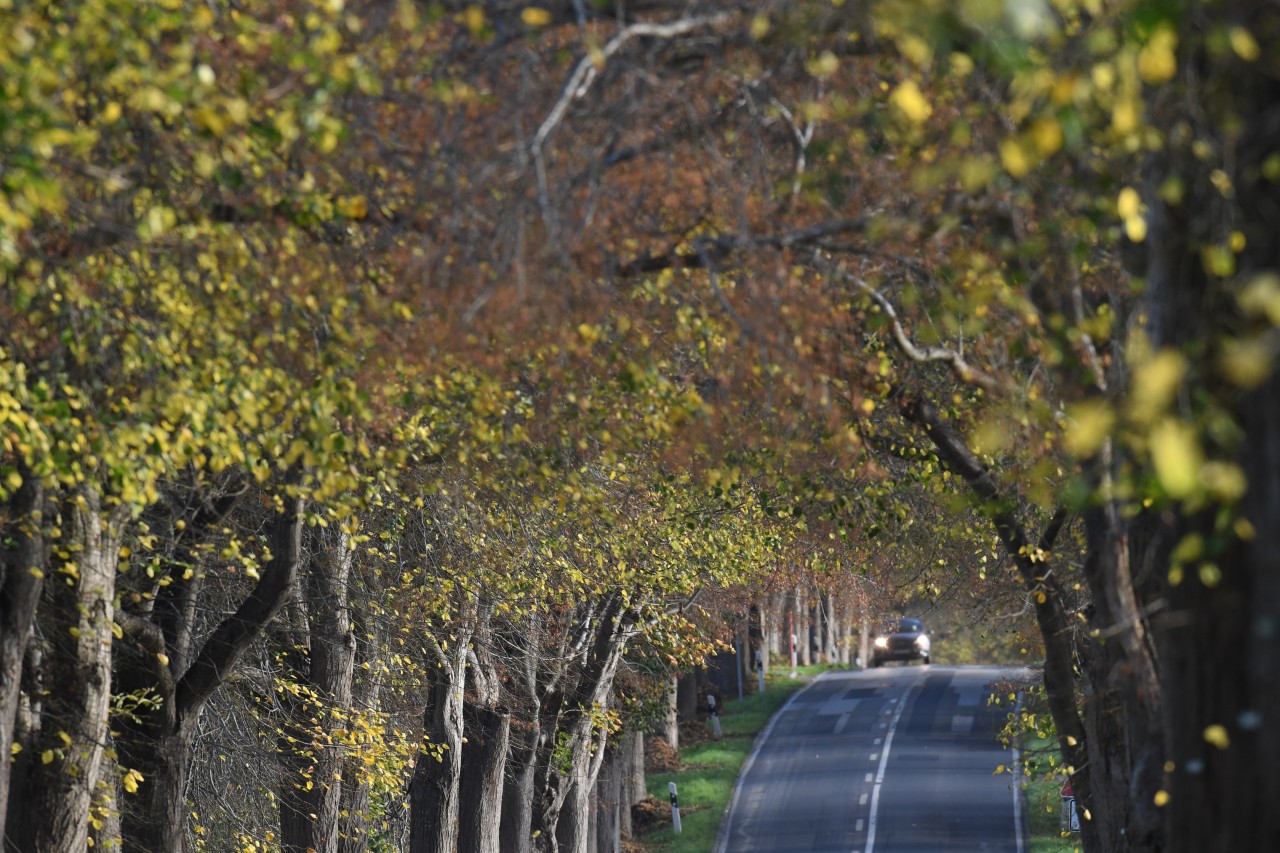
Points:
(892, 760)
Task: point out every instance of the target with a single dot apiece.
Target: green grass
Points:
(705, 784)
(1044, 804)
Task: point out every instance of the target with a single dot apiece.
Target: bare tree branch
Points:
(584, 76)
(963, 370)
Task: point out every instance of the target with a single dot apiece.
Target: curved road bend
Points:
(892, 760)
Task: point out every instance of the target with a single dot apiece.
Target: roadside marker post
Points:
(715, 718)
(1070, 814)
(675, 807)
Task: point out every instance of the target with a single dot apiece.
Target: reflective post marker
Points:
(675, 807)
(715, 717)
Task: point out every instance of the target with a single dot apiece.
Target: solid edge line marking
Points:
(1017, 800)
(722, 836)
(884, 761)
(1017, 786)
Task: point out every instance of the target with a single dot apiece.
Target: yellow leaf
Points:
(1124, 118)
(1046, 136)
(46, 757)
(1246, 363)
(535, 17)
(1244, 44)
(15, 748)
(13, 480)
(916, 49)
(163, 658)
(1156, 61)
(354, 207)
(1261, 297)
(911, 102)
(1217, 735)
(1015, 157)
(759, 27)
(1129, 203)
(1136, 229)
(475, 19)
(159, 220)
(1161, 798)
(1175, 453)
(1155, 381)
(1088, 425)
(824, 65)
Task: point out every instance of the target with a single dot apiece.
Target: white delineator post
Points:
(675, 807)
(715, 718)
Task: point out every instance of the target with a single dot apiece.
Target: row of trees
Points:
(375, 374)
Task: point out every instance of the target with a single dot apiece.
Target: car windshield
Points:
(909, 626)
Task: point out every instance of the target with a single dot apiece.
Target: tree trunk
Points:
(763, 623)
(830, 628)
(23, 566)
(631, 768)
(1046, 598)
(158, 741)
(433, 791)
(609, 805)
(518, 789)
(354, 828)
(311, 790)
(687, 696)
(484, 758)
(49, 802)
(569, 758)
(671, 724)
(1123, 693)
(1220, 637)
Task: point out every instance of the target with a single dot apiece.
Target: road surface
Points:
(899, 759)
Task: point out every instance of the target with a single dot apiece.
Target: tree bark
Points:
(433, 791)
(311, 790)
(671, 724)
(484, 758)
(518, 788)
(569, 759)
(1219, 640)
(23, 566)
(609, 805)
(631, 767)
(518, 791)
(354, 827)
(49, 801)
(158, 741)
(687, 696)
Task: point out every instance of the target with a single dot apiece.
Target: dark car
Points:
(903, 640)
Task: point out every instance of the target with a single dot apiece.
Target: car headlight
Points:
(882, 642)
(922, 641)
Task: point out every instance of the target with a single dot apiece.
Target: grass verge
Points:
(709, 770)
(1044, 803)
